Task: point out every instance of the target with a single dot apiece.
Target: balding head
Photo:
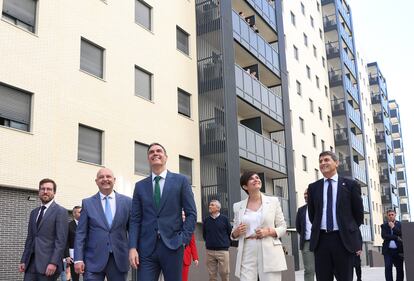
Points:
(105, 181)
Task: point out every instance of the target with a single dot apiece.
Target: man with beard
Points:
(42, 258)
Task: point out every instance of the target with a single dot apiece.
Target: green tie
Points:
(157, 191)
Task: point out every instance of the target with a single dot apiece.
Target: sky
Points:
(383, 33)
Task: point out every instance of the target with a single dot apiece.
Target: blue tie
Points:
(108, 211)
(329, 209)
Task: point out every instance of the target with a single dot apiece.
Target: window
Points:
(298, 88)
(314, 140)
(308, 72)
(143, 13)
(186, 168)
(184, 106)
(141, 163)
(311, 105)
(293, 18)
(302, 8)
(318, 6)
(315, 53)
(305, 39)
(318, 85)
(326, 91)
(91, 58)
(304, 163)
(90, 145)
(15, 108)
(320, 33)
(320, 113)
(302, 125)
(323, 145)
(296, 52)
(143, 83)
(183, 41)
(312, 22)
(323, 62)
(20, 12)
(329, 121)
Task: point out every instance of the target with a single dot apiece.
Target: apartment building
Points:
(397, 139)
(372, 198)
(90, 84)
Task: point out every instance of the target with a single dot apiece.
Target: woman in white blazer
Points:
(258, 225)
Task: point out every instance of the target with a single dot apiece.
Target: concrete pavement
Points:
(368, 274)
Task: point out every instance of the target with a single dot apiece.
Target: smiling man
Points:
(335, 210)
(157, 233)
(101, 240)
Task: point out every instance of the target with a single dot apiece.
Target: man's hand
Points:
(22, 267)
(79, 267)
(133, 258)
(358, 253)
(69, 260)
(50, 269)
(391, 224)
(196, 262)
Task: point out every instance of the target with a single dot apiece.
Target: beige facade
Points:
(373, 189)
(46, 63)
(309, 90)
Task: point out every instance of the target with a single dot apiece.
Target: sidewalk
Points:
(368, 274)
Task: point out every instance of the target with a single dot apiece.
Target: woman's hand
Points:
(240, 230)
(264, 232)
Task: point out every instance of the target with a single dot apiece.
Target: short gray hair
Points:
(216, 202)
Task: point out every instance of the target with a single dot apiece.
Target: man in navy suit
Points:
(157, 233)
(336, 212)
(101, 240)
(392, 247)
(46, 237)
(303, 227)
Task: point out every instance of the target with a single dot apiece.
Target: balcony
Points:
(365, 232)
(208, 17)
(329, 22)
(376, 98)
(354, 115)
(384, 177)
(347, 38)
(380, 137)
(338, 107)
(348, 62)
(255, 44)
(354, 171)
(344, 12)
(332, 50)
(359, 173)
(210, 74)
(266, 10)
(255, 93)
(357, 144)
(351, 89)
(261, 150)
(365, 203)
(335, 78)
(396, 131)
(382, 156)
(341, 137)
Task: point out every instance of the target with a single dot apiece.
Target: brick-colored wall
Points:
(14, 216)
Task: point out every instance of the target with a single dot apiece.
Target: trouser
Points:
(252, 263)
(31, 273)
(218, 262)
(111, 272)
(393, 258)
(308, 262)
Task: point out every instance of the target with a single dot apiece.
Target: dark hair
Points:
(391, 211)
(329, 153)
(43, 181)
(156, 143)
(244, 179)
(76, 207)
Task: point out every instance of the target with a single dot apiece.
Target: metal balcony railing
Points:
(357, 144)
(365, 203)
(365, 232)
(354, 115)
(266, 9)
(332, 49)
(352, 90)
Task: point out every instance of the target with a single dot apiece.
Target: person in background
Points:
(190, 254)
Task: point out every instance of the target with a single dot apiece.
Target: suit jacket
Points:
(349, 212)
(301, 224)
(272, 216)
(48, 241)
(147, 221)
(190, 251)
(94, 237)
(395, 235)
(71, 237)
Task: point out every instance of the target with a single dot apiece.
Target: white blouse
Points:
(253, 220)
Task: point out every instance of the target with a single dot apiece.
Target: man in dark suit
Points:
(157, 232)
(101, 240)
(46, 237)
(392, 247)
(304, 227)
(73, 224)
(336, 212)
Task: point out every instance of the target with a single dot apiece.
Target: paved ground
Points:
(368, 274)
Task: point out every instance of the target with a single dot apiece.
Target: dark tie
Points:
(39, 219)
(157, 191)
(329, 211)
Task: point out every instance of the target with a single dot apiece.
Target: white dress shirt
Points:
(47, 205)
(308, 229)
(334, 182)
(112, 202)
(163, 175)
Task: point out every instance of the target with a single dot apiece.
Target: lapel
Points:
(320, 194)
(46, 215)
(242, 209)
(99, 209)
(266, 207)
(169, 184)
(117, 209)
(339, 188)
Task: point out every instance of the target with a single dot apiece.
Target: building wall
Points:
(47, 64)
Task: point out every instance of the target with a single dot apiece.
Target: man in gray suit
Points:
(46, 237)
(101, 240)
